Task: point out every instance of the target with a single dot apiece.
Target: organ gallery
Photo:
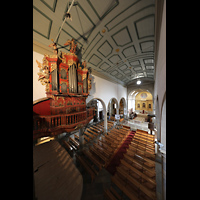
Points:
(67, 86)
(99, 100)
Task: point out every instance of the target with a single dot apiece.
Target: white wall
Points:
(160, 81)
(106, 90)
(101, 88)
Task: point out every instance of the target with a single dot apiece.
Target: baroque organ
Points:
(67, 86)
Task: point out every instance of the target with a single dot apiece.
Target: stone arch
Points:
(125, 106)
(104, 111)
(109, 106)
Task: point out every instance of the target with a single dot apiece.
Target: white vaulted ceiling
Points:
(116, 37)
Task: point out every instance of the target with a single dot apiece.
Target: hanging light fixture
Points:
(138, 82)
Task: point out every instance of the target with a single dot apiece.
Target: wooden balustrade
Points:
(52, 123)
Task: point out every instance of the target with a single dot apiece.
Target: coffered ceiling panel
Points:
(116, 37)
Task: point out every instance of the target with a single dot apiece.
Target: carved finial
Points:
(72, 44)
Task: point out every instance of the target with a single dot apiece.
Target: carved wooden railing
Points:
(45, 125)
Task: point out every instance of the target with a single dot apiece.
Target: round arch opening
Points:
(122, 107)
(140, 101)
(100, 110)
(113, 107)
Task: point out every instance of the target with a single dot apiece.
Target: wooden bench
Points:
(76, 137)
(144, 139)
(102, 150)
(109, 143)
(89, 135)
(94, 133)
(68, 146)
(93, 159)
(106, 146)
(146, 135)
(96, 130)
(87, 138)
(113, 138)
(109, 195)
(141, 174)
(142, 153)
(100, 155)
(142, 147)
(124, 188)
(74, 142)
(86, 166)
(127, 127)
(132, 161)
(148, 192)
(149, 163)
(151, 146)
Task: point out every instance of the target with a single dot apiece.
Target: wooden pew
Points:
(89, 135)
(109, 143)
(142, 147)
(115, 193)
(140, 142)
(145, 133)
(142, 131)
(93, 159)
(109, 195)
(145, 138)
(127, 127)
(142, 153)
(99, 154)
(94, 133)
(74, 142)
(123, 187)
(86, 166)
(96, 130)
(149, 163)
(152, 137)
(87, 138)
(106, 146)
(68, 146)
(113, 138)
(151, 142)
(76, 137)
(141, 174)
(148, 192)
(102, 150)
(138, 165)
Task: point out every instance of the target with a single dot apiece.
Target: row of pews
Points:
(90, 134)
(102, 151)
(135, 176)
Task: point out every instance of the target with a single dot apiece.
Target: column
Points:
(81, 137)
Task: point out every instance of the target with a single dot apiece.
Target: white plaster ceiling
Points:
(116, 36)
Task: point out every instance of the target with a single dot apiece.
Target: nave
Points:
(119, 164)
